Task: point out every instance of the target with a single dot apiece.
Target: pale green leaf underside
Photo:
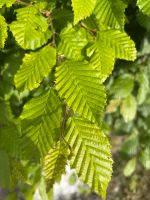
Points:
(91, 155)
(73, 40)
(79, 83)
(31, 28)
(42, 119)
(120, 43)
(144, 6)
(82, 9)
(55, 162)
(8, 3)
(3, 31)
(35, 67)
(111, 13)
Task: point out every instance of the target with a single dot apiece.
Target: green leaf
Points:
(128, 108)
(79, 83)
(143, 20)
(62, 17)
(73, 40)
(144, 6)
(9, 130)
(111, 13)
(8, 3)
(102, 58)
(82, 9)
(143, 90)
(91, 155)
(145, 158)
(31, 28)
(35, 67)
(122, 86)
(18, 171)
(120, 43)
(41, 120)
(55, 162)
(130, 167)
(4, 170)
(3, 31)
(10, 138)
(131, 144)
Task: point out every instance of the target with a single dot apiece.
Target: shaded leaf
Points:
(55, 162)
(41, 121)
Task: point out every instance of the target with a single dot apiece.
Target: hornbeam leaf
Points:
(55, 162)
(82, 9)
(41, 120)
(120, 43)
(111, 13)
(102, 58)
(35, 67)
(80, 85)
(73, 40)
(91, 155)
(8, 3)
(31, 28)
(144, 6)
(3, 31)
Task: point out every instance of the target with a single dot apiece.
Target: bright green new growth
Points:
(79, 83)
(111, 13)
(82, 9)
(62, 74)
(35, 67)
(30, 29)
(93, 163)
(73, 40)
(3, 31)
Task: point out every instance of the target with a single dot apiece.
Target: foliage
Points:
(130, 97)
(55, 57)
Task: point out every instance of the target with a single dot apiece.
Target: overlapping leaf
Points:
(41, 120)
(31, 28)
(35, 67)
(3, 31)
(144, 6)
(55, 162)
(119, 42)
(9, 130)
(102, 58)
(91, 155)
(82, 9)
(111, 13)
(8, 3)
(79, 83)
(73, 40)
